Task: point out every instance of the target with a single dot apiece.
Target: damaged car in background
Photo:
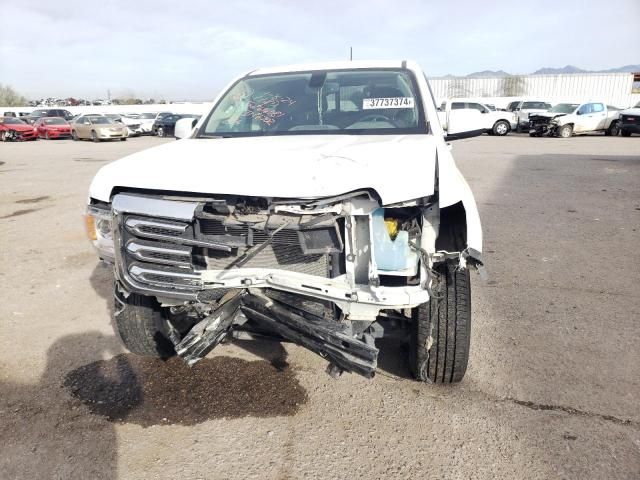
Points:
(318, 205)
(565, 119)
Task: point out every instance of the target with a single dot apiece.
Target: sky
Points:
(190, 49)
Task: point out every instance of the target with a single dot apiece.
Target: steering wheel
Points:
(374, 117)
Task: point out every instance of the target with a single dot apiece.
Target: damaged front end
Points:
(329, 274)
(543, 125)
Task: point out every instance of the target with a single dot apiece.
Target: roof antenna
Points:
(351, 54)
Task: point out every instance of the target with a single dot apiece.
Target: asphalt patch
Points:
(144, 391)
(17, 213)
(33, 200)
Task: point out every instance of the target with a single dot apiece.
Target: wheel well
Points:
(452, 235)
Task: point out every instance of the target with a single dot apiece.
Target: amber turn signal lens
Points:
(90, 224)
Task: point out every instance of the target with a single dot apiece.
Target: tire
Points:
(2, 139)
(94, 137)
(74, 136)
(160, 132)
(501, 128)
(139, 323)
(123, 139)
(625, 133)
(534, 134)
(441, 329)
(613, 130)
(565, 131)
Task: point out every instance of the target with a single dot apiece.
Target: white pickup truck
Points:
(493, 122)
(565, 119)
(317, 204)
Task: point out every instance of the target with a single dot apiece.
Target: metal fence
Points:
(612, 88)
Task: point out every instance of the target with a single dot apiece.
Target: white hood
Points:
(397, 167)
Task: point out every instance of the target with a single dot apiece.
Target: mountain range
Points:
(550, 71)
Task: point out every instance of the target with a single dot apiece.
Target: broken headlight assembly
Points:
(98, 227)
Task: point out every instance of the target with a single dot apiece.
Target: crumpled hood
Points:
(547, 115)
(397, 167)
(18, 127)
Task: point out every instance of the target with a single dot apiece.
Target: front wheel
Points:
(613, 130)
(74, 136)
(141, 327)
(441, 328)
(501, 128)
(565, 131)
(123, 139)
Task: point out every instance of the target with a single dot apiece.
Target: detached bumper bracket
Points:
(325, 338)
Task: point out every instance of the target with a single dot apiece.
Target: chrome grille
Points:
(170, 254)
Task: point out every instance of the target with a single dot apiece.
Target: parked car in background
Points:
(165, 126)
(52, 127)
(47, 112)
(12, 128)
(521, 110)
(630, 121)
(133, 125)
(495, 122)
(97, 128)
(148, 119)
(565, 119)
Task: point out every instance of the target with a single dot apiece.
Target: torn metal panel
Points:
(208, 333)
(329, 339)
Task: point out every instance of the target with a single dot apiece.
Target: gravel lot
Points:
(553, 388)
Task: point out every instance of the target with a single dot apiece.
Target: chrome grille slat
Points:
(160, 253)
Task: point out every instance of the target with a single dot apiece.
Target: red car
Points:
(19, 129)
(52, 127)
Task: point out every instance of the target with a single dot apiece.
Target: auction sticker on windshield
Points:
(390, 102)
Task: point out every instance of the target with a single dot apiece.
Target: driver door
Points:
(589, 117)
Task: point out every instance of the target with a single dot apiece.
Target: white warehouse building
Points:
(617, 89)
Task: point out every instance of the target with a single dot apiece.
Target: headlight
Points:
(98, 225)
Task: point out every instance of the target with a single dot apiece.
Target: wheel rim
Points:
(565, 133)
(501, 128)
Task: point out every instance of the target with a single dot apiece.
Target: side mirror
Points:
(578, 112)
(464, 123)
(184, 128)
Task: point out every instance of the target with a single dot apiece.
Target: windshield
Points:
(148, 116)
(332, 102)
(564, 108)
(11, 121)
(54, 121)
(100, 120)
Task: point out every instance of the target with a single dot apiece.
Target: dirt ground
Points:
(553, 388)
